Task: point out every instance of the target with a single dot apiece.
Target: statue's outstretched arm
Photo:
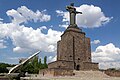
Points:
(78, 12)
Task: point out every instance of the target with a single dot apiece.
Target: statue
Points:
(73, 12)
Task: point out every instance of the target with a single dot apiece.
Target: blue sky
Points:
(27, 26)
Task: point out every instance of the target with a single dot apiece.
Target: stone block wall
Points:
(56, 72)
(65, 48)
(88, 49)
(79, 49)
(73, 52)
(46, 72)
(62, 65)
(74, 46)
(89, 66)
(63, 72)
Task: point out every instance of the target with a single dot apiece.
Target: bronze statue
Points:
(73, 12)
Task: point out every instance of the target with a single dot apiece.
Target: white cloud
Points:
(20, 50)
(29, 39)
(65, 15)
(107, 54)
(106, 65)
(52, 58)
(23, 14)
(43, 27)
(2, 45)
(92, 16)
(14, 58)
(63, 25)
(1, 19)
(17, 17)
(95, 42)
(26, 39)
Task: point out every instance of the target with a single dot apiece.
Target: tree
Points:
(40, 64)
(3, 67)
(34, 65)
(45, 62)
(112, 69)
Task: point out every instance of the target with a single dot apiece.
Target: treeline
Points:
(32, 67)
(3, 67)
(35, 65)
(113, 69)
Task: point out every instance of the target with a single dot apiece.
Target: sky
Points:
(27, 26)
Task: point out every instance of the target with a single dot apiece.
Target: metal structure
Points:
(12, 70)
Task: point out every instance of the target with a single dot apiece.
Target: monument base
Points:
(66, 68)
(88, 66)
(56, 72)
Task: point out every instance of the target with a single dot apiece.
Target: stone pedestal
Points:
(74, 46)
(73, 52)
